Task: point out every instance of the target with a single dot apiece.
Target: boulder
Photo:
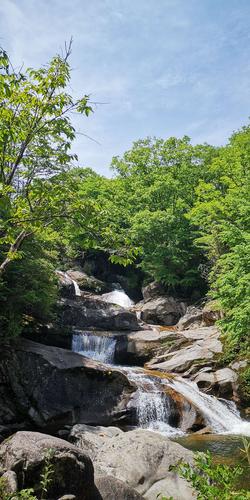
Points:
(88, 283)
(111, 488)
(50, 387)
(222, 383)
(152, 291)
(211, 313)
(162, 311)
(26, 454)
(66, 285)
(200, 346)
(92, 311)
(192, 318)
(139, 458)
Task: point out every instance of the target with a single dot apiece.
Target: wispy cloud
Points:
(162, 68)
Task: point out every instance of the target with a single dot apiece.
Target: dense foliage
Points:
(211, 481)
(179, 212)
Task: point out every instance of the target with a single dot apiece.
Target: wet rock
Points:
(50, 387)
(162, 311)
(139, 458)
(91, 311)
(25, 454)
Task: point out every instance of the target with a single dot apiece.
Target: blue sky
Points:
(162, 67)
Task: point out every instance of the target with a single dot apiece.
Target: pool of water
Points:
(226, 449)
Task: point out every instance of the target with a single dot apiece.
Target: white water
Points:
(100, 348)
(118, 297)
(69, 280)
(222, 418)
(153, 410)
(152, 406)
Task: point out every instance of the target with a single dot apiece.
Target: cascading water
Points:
(222, 418)
(152, 406)
(118, 297)
(100, 348)
(153, 409)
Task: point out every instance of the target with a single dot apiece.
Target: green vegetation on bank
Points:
(179, 212)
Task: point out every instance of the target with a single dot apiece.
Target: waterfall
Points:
(118, 297)
(153, 409)
(152, 405)
(100, 348)
(67, 279)
(221, 417)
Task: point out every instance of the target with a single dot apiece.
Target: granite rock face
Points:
(139, 458)
(50, 387)
(25, 455)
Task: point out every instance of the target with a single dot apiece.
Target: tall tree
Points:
(35, 144)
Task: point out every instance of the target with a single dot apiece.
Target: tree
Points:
(35, 144)
(159, 177)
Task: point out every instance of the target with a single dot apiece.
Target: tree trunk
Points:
(14, 247)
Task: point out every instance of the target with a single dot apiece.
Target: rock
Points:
(192, 317)
(211, 313)
(111, 488)
(10, 481)
(51, 387)
(25, 454)
(66, 285)
(135, 348)
(91, 311)
(239, 365)
(162, 311)
(139, 458)
(222, 383)
(88, 283)
(202, 345)
(152, 291)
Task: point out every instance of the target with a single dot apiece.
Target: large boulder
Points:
(152, 291)
(72, 472)
(222, 383)
(189, 350)
(162, 311)
(86, 282)
(92, 311)
(139, 458)
(50, 387)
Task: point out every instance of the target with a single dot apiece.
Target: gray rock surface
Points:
(162, 311)
(73, 474)
(92, 311)
(111, 488)
(86, 282)
(139, 458)
(51, 387)
(202, 344)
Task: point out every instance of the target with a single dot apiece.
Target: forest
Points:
(178, 212)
